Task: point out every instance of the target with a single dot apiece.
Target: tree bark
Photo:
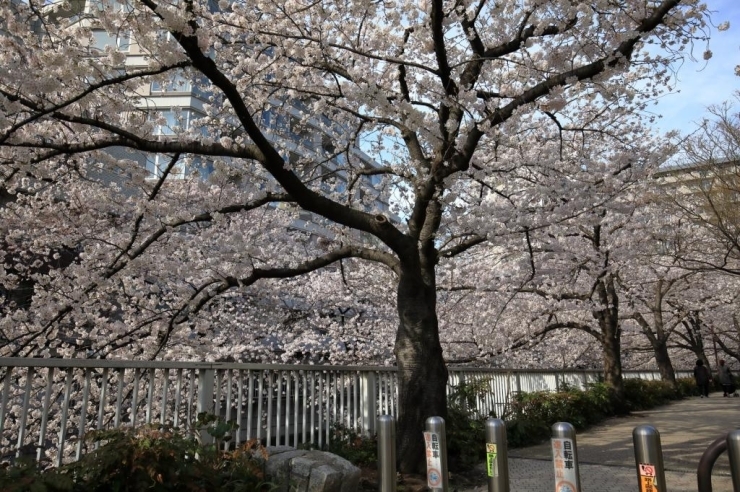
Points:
(611, 339)
(422, 374)
(663, 360)
(612, 348)
(658, 333)
(658, 338)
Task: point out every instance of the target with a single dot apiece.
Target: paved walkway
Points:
(607, 462)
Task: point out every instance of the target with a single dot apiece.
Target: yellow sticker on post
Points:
(491, 463)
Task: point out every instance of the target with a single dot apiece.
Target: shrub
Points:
(154, 458)
(601, 398)
(24, 476)
(355, 448)
(643, 395)
(531, 415)
(465, 428)
(687, 387)
(465, 435)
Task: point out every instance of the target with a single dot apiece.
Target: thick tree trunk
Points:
(612, 348)
(422, 373)
(665, 366)
(659, 338)
(611, 340)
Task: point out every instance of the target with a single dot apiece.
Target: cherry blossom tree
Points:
(704, 188)
(658, 310)
(692, 336)
(675, 307)
(579, 280)
(444, 96)
(723, 324)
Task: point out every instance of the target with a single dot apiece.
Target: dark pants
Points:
(727, 388)
(704, 389)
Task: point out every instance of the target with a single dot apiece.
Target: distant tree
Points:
(705, 190)
(576, 269)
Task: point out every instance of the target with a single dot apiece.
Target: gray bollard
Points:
(649, 459)
(497, 460)
(565, 458)
(436, 451)
(733, 451)
(387, 453)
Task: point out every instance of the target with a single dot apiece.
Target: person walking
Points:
(726, 379)
(702, 376)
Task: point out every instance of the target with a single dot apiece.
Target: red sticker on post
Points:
(647, 477)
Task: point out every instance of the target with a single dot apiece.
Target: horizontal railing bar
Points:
(166, 364)
(503, 370)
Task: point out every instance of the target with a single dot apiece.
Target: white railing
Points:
(47, 405)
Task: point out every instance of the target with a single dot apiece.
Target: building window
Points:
(110, 5)
(182, 82)
(102, 39)
(186, 166)
(178, 83)
(158, 163)
(170, 121)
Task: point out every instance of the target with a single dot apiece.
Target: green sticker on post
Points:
(491, 464)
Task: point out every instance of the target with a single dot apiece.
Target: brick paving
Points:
(606, 459)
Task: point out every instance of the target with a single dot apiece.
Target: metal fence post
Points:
(733, 451)
(497, 458)
(387, 453)
(565, 458)
(648, 458)
(369, 390)
(205, 399)
(436, 451)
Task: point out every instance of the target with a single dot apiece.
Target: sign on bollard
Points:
(436, 453)
(497, 463)
(648, 459)
(565, 458)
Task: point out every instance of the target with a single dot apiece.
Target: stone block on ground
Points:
(292, 470)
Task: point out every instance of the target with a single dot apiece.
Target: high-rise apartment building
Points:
(175, 102)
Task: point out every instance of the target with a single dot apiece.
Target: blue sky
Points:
(701, 84)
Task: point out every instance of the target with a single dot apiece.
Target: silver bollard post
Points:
(565, 458)
(649, 458)
(497, 458)
(387, 453)
(436, 451)
(733, 451)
